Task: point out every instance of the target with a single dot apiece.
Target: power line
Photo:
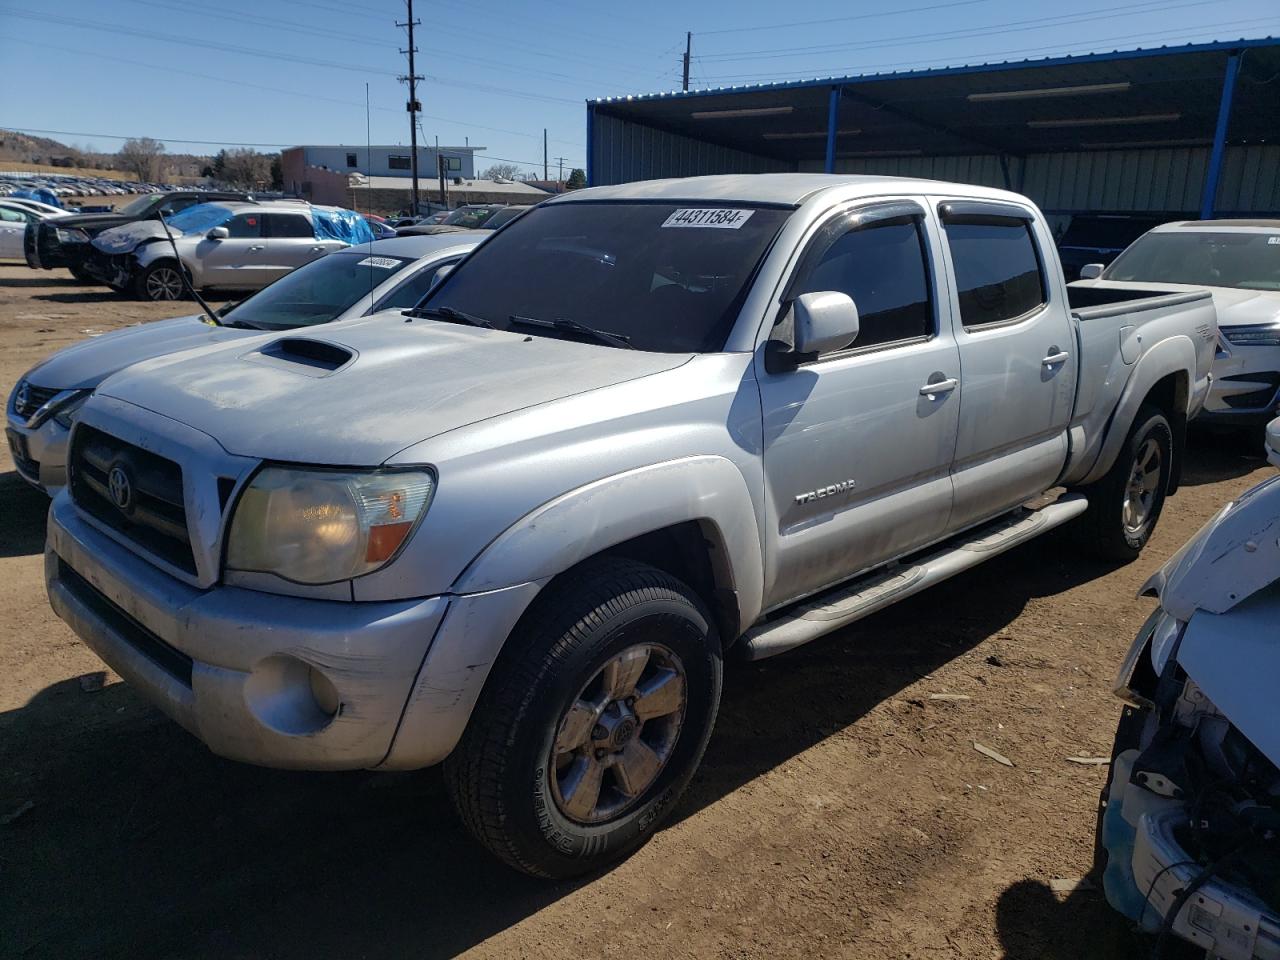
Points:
(1014, 26)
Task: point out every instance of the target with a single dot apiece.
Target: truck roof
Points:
(787, 189)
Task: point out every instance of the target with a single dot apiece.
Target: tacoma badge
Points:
(844, 486)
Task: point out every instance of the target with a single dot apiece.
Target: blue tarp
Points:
(200, 218)
(334, 223)
(40, 194)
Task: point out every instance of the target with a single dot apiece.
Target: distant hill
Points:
(25, 149)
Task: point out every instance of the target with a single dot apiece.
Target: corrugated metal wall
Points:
(624, 151)
(1150, 179)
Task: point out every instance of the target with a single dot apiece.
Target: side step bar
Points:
(845, 604)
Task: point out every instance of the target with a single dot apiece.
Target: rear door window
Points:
(414, 289)
(999, 277)
(288, 225)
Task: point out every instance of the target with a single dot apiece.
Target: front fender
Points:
(602, 514)
(1173, 355)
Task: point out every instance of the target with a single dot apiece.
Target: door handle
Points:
(932, 390)
(256, 247)
(1061, 357)
(317, 249)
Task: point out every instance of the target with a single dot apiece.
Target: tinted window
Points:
(245, 225)
(882, 267)
(351, 159)
(288, 225)
(398, 163)
(414, 289)
(12, 216)
(668, 277)
(317, 292)
(998, 274)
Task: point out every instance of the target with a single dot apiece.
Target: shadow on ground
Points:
(1214, 456)
(23, 517)
(143, 844)
(89, 295)
(39, 280)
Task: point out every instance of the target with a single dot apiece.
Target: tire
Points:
(1125, 504)
(160, 281)
(521, 776)
(82, 275)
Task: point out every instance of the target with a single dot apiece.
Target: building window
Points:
(398, 163)
(351, 159)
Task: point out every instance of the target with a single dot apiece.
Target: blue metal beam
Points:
(591, 126)
(1214, 173)
(833, 121)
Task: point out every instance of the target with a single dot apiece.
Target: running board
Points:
(850, 602)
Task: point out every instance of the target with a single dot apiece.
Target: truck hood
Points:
(1235, 555)
(128, 236)
(93, 222)
(1236, 308)
(88, 363)
(384, 383)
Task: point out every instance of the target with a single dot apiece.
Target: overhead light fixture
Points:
(1134, 144)
(1104, 121)
(1036, 94)
(744, 112)
(882, 153)
(811, 134)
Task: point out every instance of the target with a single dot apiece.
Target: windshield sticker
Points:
(717, 217)
(1273, 240)
(386, 263)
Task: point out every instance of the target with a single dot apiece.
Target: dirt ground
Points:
(841, 811)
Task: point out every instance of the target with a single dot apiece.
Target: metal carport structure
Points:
(1187, 128)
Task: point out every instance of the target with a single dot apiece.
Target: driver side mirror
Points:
(442, 273)
(1091, 271)
(822, 322)
(218, 233)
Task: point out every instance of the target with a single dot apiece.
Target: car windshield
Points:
(469, 216)
(663, 277)
(140, 205)
(316, 293)
(1246, 261)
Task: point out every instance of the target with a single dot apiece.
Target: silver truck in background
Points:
(1189, 824)
(639, 429)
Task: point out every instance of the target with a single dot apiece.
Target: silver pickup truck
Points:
(639, 429)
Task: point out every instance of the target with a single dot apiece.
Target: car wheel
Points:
(160, 281)
(592, 723)
(1126, 503)
(82, 275)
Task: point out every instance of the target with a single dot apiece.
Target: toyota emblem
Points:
(120, 488)
(23, 397)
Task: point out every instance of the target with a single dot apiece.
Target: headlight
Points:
(71, 235)
(1266, 335)
(321, 526)
(1160, 635)
(67, 413)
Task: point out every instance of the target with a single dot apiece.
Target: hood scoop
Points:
(315, 358)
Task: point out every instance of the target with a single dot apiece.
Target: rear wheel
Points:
(592, 723)
(160, 281)
(1125, 504)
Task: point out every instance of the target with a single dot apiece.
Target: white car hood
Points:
(86, 364)
(126, 237)
(405, 382)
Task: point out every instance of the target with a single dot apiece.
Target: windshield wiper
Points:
(566, 325)
(450, 314)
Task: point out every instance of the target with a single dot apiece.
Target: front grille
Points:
(145, 504)
(28, 401)
(173, 662)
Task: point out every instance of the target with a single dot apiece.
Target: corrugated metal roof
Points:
(1067, 60)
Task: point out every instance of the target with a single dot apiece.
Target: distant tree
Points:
(243, 168)
(577, 179)
(141, 157)
(277, 173)
(501, 171)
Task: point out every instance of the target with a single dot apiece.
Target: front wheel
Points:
(592, 723)
(1126, 503)
(160, 281)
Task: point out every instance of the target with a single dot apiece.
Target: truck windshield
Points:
(1246, 261)
(316, 293)
(663, 277)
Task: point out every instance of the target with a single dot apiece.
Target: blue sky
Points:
(281, 72)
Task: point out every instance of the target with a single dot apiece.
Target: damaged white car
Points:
(1189, 829)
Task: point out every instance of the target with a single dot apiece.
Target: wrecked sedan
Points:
(387, 275)
(1189, 829)
(229, 246)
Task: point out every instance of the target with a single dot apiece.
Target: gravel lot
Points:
(841, 811)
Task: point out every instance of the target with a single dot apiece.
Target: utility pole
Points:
(561, 161)
(688, 48)
(413, 106)
(440, 169)
(544, 155)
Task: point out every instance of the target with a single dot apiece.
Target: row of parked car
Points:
(513, 516)
(70, 186)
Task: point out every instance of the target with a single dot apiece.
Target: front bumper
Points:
(39, 455)
(235, 666)
(1246, 386)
